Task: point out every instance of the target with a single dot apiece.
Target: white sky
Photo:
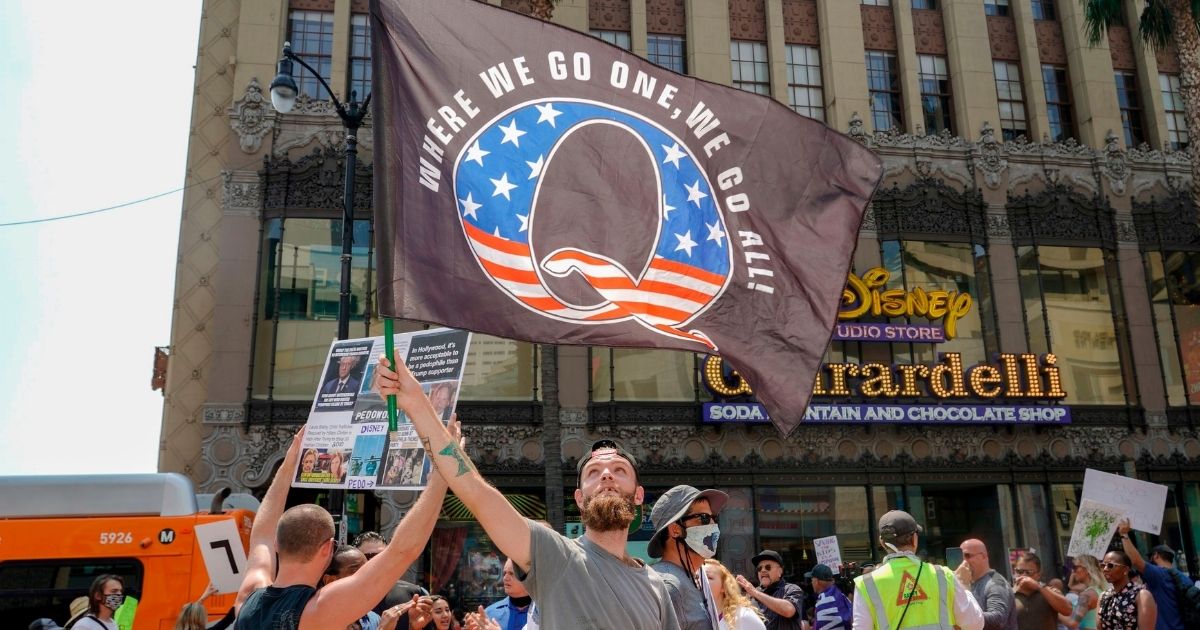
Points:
(96, 106)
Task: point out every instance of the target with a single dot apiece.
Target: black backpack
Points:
(1187, 598)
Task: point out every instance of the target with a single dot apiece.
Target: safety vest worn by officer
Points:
(888, 588)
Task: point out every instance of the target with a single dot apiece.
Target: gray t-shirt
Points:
(685, 597)
(579, 585)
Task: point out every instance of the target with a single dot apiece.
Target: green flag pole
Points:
(389, 349)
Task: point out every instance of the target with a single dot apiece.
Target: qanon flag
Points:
(536, 183)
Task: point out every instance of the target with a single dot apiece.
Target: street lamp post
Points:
(283, 98)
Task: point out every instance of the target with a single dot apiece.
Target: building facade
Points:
(1042, 178)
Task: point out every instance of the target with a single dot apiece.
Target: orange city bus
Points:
(58, 533)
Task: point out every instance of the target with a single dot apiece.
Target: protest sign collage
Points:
(347, 444)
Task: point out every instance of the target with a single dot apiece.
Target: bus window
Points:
(33, 589)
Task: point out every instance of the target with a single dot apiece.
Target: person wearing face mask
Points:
(904, 591)
(685, 535)
(104, 597)
(781, 602)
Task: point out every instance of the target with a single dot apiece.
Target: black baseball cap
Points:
(821, 572)
(898, 523)
(606, 447)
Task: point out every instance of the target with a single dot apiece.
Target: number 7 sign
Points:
(224, 556)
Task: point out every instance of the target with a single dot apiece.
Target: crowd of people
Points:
(298, 577)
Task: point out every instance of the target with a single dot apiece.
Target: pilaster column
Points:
(341, 49)
(1154, 116)
(637, 27)
(972, 80)
(708, 40)
(777, 51)
(843, 56)
(1034, 91)
(1093, 89)
(906, 55)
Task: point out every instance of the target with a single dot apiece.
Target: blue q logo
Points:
(497, 178)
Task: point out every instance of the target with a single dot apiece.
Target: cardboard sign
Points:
(1094, 527)
(828, 552)
(1143, 502)
(224, 557)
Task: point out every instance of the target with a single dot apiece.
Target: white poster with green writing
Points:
(1095, 524)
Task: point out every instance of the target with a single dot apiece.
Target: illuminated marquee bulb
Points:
(1033, 378)
(714, 378)
(1053, 377)
(982, 377)
(1012, 375)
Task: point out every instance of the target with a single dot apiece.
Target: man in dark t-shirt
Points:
(781, 602)
(1038, 605)
(285, 597)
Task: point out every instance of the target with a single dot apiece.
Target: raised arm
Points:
(506, 527)
(1135, 558)
(260, 558)
(344, 601)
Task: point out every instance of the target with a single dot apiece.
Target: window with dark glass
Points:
(1177, 129)
(995, 7)
(961, 268)
(877, 3)
(643, 374)
(804, 81)
(884, 84)
(1058, 103)
(668, 51)
(360, 57)
(1174, 287)
(311, 35)
(616, 38)
(935, 93)
(1131, 108)
(1011, 99)
(750, 70)
(925, 4)
(1043, 10)
(1069, 295)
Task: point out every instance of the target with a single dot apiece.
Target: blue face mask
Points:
(703, 539)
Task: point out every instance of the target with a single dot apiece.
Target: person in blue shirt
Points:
(1159, 576)
(512, 612)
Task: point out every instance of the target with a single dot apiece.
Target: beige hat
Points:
(79, 606)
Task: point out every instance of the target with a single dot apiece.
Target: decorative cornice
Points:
(242, 194)
(223, 413)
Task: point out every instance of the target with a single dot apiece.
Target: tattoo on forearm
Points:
(464, 464)
(429, 451)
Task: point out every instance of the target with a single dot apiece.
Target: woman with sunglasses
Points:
(1127, 606)
(1090, 584)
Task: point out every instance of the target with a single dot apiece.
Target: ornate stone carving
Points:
(307, 105)
(1125, 231)
(219, 413)
(1115, 166)
(857, 129)
(314, 181)
(990, 160)
(997, 226)
(929, 208)
(251, 118)
(1167, 224)
(490, 444)
(942, 140)
(869, 219)
(242, 193)
(1059, 212)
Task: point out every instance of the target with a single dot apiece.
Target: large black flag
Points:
(536, 183)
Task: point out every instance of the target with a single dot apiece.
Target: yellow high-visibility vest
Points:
(886, 591)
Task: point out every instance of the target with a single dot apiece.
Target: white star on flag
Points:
(475, 153)
(511, 133)
(524, 222)
(715, 233)
(667, 208)
(535, 168)
(547, 113)
(502, 187)
(694, 194)
(674, 154)
(469, 207)
(685, 242)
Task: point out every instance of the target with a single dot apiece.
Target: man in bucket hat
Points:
(685, 535)
(781, 602)
(904, 591)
